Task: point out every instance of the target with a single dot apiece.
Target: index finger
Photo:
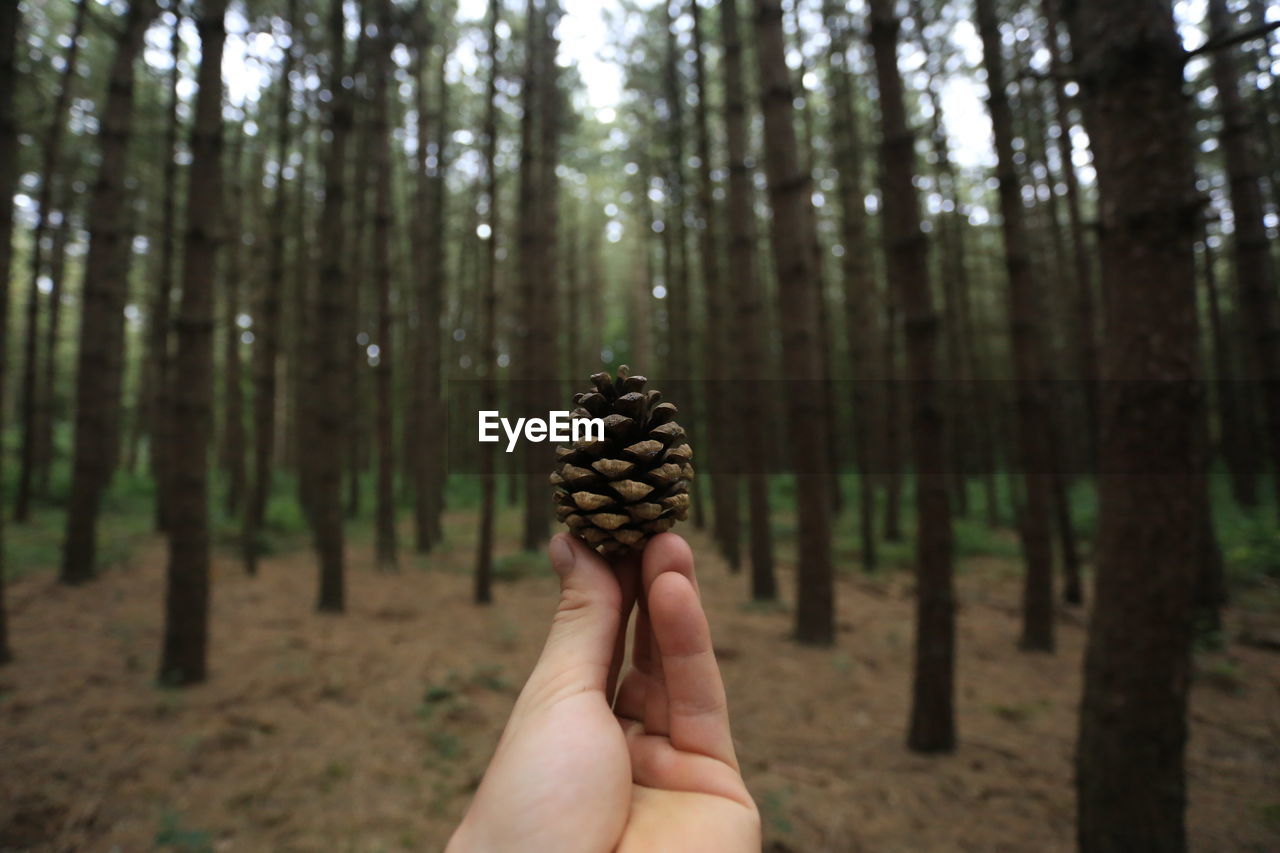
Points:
(697, 711)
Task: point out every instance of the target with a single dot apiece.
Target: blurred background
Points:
(969, 308)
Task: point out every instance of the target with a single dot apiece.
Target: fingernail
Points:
(561, 553)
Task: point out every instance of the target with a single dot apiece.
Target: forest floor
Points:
(368, 732)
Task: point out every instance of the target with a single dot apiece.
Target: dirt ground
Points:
(368, 732)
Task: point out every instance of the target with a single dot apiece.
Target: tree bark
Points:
(51, 157)
(798, 306)
(100, 362)
(49, 403)
(483, 589)
(231, 457)
(1133, 725)
(1251, 253)
(385, 508)
(187, 590)
(749, 307)
(10, 21)
(266, 322)
(330, 341)
(932, 725)
(857, 267)
(425, 436)
(1025, 316)
(722, 432)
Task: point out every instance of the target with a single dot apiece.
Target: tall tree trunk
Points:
(1025, 317)
(187, 589)
(752, 357)
(385, 508)
(433, 437)
(1133, 723)
(10, 21)
(330, 341)
(537, 210)
(721, 432)
(1251, 252)
(1084, 332)
(157, 370)
(798, 306)
(676, 277)
(1241, 465)
(529, 245)
(266, 322)
(231, 456)
(857, 267)
(426, 370)
(808, 162)
(483, 589)
(48, 402)
(51, 157)
(932, 726)
(100, 360)
(892, 427)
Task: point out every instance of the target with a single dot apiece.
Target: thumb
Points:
(580, 645)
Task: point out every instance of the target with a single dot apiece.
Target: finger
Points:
(668, 553)
(628, 573)
(584, 630)
(655, 691)
(630, 701)
(697, 713)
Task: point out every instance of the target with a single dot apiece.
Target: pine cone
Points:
(616, 493)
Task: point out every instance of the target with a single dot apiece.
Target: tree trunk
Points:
(1251, 248)
(187, 590)
(385, 508)
(857, 268)
(1025, 317)
(231, 457)
(539, 204)
(932, 726)
(1241, 464)
(1130, 779)
(721, 431)
(679, 324)
(48, 402)
(426, 366)
(1084, 332)
(10, 21)
(483, 590)
(100, 361)
(330, 342)
(749, 307)
(433, 436)
(51, 157)
(266, 322)
(798, 306)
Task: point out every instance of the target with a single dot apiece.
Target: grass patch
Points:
(174, 836)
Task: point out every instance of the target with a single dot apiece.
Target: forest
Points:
(970, 309)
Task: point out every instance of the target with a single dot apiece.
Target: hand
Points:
(654, 770)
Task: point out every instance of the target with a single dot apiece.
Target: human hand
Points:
(653, 770)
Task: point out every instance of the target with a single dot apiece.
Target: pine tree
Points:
(100, 361)
(1133, 718)
(932, 725)
(748, 297)
(798, 306)
(51, 161)
(1025, 317)
(10, 21)
(187, 590)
